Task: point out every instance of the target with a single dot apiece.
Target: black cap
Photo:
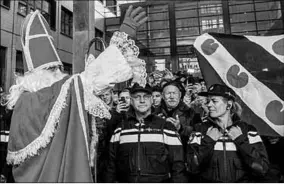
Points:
(219, 90)
(178, 85)
(137, 88)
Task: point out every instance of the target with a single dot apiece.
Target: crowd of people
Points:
(178, 131)
(166, 128)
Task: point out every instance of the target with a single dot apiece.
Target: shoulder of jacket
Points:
(157, 118)
(203, 126)
(159, 121)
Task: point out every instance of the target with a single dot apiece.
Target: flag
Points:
(253, 66)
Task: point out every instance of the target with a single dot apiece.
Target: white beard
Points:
(32, 82)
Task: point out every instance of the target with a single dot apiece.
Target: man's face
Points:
(126, 95)
(203, 86)
(157, 81)
(141, 102)
(157, 98)
(150, 80)
(171, 96)
(197, 87)
(189, 89)
(115, 97)
(107, 97)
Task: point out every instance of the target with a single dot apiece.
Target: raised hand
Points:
(133, 19)
(121, 107)
(175, 122)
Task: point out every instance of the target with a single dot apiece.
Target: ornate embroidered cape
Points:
(55, 151)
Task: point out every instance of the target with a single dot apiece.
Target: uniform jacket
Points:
(187, 118)
(226, 160)
(186, 115)
(146, 151)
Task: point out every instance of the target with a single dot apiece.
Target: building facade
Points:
(166, 40)
(59, 16)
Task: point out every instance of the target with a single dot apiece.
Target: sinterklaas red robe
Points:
(64, 159)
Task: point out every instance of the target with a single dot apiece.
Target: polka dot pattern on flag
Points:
(240, 79)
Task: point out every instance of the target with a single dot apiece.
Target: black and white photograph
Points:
(142, 91)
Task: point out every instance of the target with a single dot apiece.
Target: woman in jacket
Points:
(224, 148)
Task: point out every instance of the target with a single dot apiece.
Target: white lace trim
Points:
(94, 141)
(94, 105)
(130, 52)
(32, 149)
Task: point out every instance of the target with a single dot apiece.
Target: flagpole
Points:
(83, 31)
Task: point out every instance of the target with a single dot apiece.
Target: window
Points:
(66, 22)
(22, 7)
(5, 3)
(254, 17)
(111, 4)
(195, 18)
(98, 44)
(2, 65)
(19, 62)
(46, 7)
(46, 10)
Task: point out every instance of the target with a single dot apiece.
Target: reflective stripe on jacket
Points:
(148, 151)
(226, 160)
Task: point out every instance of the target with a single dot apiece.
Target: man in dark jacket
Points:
(174, 110)
(144, 147)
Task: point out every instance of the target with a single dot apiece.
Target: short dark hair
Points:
(124, 90)
(157, 89)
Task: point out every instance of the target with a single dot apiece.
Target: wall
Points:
(10, 28)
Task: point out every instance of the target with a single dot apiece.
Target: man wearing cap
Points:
(50, 133)
(174, 110)
(144, 147)
(224, 148)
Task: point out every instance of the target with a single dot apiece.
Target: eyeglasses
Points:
(139, 97)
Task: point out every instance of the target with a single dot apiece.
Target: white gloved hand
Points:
(133, 19)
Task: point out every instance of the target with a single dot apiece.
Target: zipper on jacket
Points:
(225, 160)
(138, 152)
